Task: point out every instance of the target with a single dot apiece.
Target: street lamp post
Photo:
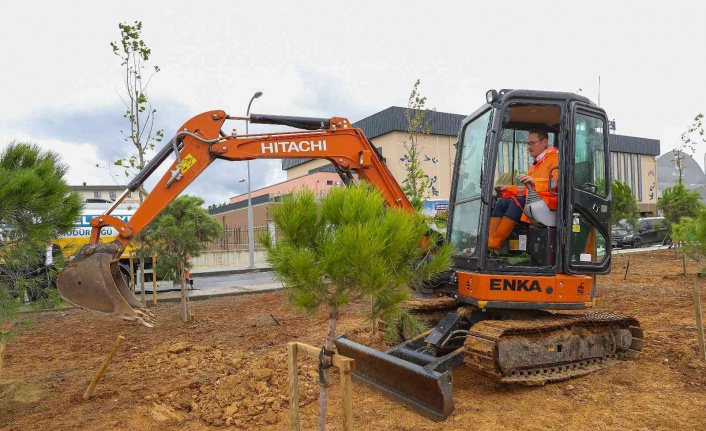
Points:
(251, 239)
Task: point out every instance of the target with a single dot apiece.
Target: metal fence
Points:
(236, 238)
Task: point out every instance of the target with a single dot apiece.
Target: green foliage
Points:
(36, 206)
(678, 202)
(406, 326)
(624, 203)
(690, 232)
(351, 245)
(134, 54)
(181, 230)
(416, 182)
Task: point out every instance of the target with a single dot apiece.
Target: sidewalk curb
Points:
(199, 297)
(196, 274)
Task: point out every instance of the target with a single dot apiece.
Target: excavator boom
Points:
(92, 280)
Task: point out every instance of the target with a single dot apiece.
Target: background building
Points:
(668, 172)
(634, 163)
(386, 131)
(93, 193)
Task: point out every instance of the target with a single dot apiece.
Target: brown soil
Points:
(227, 370)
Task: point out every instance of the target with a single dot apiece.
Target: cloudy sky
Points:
(61, 83)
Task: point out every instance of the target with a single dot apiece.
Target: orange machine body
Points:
(553, 291)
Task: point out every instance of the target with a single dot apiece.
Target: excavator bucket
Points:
(93, 280)
(406, 374)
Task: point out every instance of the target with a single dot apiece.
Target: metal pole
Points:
(251, 239)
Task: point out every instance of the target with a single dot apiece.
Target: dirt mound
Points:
(222, 386)
(18, 397)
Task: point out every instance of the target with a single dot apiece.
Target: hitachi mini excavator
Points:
(503, 326)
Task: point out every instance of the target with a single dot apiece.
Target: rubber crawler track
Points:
(482, 346)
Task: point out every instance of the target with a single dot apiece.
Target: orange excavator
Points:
(511, 321)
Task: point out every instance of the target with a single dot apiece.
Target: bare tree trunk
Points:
(185, 312)
(323, 393)
(142, 279)
(141, 244)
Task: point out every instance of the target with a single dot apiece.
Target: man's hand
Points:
(526, 179)
(500, 189)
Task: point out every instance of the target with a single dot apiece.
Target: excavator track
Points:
(551, 347)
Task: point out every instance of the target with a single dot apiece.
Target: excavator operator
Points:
(509, 208)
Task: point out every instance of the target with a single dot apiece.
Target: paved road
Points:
(220, 283)
(234, 280)
(636, 250)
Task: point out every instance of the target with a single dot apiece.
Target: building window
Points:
(639, 178)
(97, 194)
(329, 183)
(625, 169)
(619, 172)
(632, 173)
(113, 195)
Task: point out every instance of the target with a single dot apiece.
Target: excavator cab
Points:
(572, 239)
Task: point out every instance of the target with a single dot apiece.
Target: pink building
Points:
(319, 182)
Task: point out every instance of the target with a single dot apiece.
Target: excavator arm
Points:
(93, 280)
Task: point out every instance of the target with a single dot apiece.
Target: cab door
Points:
(588, 201)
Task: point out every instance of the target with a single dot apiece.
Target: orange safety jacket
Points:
(540, 171)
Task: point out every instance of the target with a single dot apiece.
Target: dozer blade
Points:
(419, 381)
(93, 280)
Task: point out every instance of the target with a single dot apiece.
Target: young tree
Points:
(177, 233)
(692, 137)
(416, 182)
(624, 203)
(134, 55)
(348, 246)
(36, 206)
(690, 232)
(678, 202)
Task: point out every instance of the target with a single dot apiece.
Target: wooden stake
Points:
(3, 345)
(683, 257)
(344, 364)
(699, 319)
(132, 273)
(104, 367)
(626, 270)
(154, 279)
(293, 387)
(347, 392)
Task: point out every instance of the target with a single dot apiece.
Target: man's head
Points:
(537, 141)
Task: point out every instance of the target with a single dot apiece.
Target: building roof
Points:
(392, 119)
(255, 200)
(631, 144)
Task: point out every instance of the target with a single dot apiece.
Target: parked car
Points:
(649, 230)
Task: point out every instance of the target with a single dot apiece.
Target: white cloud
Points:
(81, 158)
